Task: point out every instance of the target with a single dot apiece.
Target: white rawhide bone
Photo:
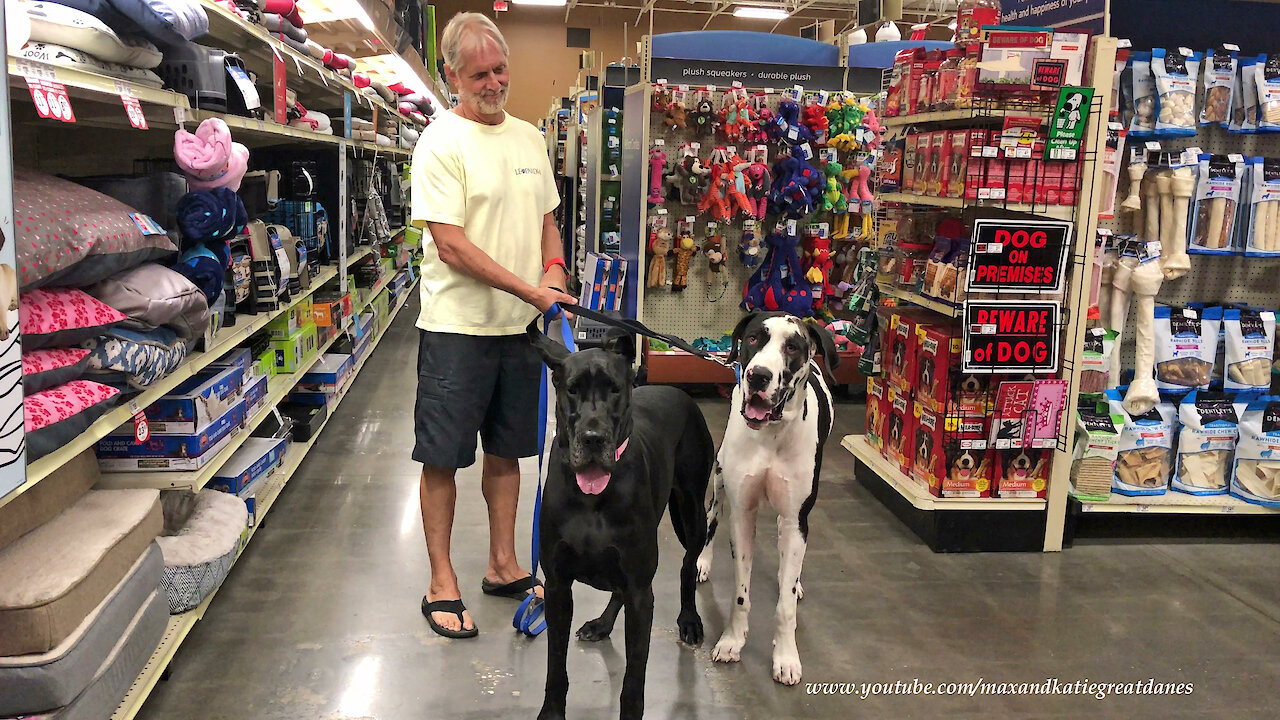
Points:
(1106, 271)
(1217, 218)
(1164, 184)
(1175, 262)
(1133, 201)
(1261, 228)
(1273, 226)
(1151, 209)
(1143, 395)
(1121, 287)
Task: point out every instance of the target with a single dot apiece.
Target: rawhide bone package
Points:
(1094, 458)
(1250, 338)
(1220, 72)
(1186, 342)
(1206, 441)
(1175, 73)
(1264, 206)
(1095, 365)
(1255, 476)
(1217, 195)
(1144, 455)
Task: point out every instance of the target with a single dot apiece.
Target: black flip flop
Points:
(516, 589)
(450, 606)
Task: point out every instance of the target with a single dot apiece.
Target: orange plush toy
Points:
(660, 244)
(819, 272)
(684, 252)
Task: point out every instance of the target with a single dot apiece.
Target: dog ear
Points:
(621, 342)
(822, 341)
(736, 339)
(552, 352)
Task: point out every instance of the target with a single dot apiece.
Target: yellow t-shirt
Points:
(494, 182)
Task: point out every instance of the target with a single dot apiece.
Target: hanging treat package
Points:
(1244, 115)
(1175, 73)
(1099, 343)
(1220, 72)
(1249, 335)
(1206, 441)
(1111, 169)
(1267, 73)
(1217, 193)
(1264, 207)
(1255, 476)
(1143, 92)
(1144, 454)
(1094, 458)
(1186, 341)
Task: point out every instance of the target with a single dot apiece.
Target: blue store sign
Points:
(1089, 14)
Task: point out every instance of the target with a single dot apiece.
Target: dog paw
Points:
(728, 650)
(704, 570)
(786, 668)
(690, 625)
(550, 715)
(594, 631)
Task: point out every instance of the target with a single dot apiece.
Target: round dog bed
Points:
(201, 537)
(70, 57)
(62, 25)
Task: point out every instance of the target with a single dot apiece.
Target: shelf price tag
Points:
(133, 109)
(278, 85)
(51, 99)
(141, 429)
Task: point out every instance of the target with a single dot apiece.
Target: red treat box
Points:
(969, 471)
(939, 349)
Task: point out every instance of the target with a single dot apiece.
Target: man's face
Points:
(483, 78)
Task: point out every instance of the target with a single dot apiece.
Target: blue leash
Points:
(530, 618)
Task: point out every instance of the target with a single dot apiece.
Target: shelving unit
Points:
(965, 116)
(915, 298)
(1174, 503)
(1057, 212)
(180, 625)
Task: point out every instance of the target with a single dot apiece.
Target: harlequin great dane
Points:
(779, 419)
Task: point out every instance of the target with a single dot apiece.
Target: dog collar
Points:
(621, 449)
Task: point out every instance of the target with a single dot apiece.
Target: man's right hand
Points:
(543, 297)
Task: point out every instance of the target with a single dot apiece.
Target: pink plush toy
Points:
(864, 185)
(657, 161)
(757, 179)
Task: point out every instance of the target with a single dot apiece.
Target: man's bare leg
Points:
(501, 487)
(439, 497)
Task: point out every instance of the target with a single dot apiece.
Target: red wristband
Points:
(554, 261)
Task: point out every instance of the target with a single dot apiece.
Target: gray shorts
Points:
(469, 385)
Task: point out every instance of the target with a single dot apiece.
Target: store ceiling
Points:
(844, 10)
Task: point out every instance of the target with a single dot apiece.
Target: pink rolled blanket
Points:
(209, 158)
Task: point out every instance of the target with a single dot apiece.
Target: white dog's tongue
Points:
(593, 482)
(757, 413)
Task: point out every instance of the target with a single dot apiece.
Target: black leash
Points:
(639, 328)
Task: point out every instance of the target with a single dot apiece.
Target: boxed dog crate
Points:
(196, 402)
(255, 392)
(256, 458)
(122, 453)
(294, 350)
(328, 374)
(307, 419)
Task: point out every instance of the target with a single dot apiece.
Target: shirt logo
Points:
(528, 171)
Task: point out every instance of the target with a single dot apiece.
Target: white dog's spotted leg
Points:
(741, 547)
(791, 547)
(713, 520)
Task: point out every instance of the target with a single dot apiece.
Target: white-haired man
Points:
(484, 191)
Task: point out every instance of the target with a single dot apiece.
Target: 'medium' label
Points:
(1019, 256)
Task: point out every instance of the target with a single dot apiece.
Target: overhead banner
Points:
(1089, 14)
(677, 71)
(1011, 336)
(1018, 256)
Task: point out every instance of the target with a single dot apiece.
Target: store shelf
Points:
(194, 480)
(224, 341)
(180, 625)
(85, 84)
(968, 115)
(917, 495)
(360, 254)
(938, 306)
(374, 292)
(263, 129)
(1176, 503)
(1058, 212)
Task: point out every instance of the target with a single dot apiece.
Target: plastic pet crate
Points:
(198, 72)
(308, 222)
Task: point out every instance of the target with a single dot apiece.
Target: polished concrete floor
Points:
(320, 617)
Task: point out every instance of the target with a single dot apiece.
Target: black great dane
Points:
(621, 456)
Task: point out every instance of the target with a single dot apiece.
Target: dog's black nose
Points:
(758, 378)
(593, 440)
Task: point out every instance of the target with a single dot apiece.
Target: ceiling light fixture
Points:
(545, 3)
(761, 13)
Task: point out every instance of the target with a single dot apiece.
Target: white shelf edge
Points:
(938, 306)
(1175, 503)
(1061, 212)
(180, 625)
(917, 496)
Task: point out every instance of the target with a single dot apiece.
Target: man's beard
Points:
(493, 104)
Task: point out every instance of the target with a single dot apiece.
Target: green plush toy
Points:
(833, 199)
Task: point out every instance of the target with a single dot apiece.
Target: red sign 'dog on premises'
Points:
(1018, 256)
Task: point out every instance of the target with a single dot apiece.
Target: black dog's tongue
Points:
(594, 481)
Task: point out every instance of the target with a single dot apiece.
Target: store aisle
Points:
(320, 617)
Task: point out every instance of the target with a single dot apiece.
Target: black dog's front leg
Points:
(639, 625)
(601, 627)
(559, 612)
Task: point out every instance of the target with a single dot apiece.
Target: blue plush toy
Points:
(777, 284)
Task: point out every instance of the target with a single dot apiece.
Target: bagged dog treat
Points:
(1144, 454)
(1255, 476)
(1267, 74)
(1206, 441)
(1220, 71)
(1143, 123)
(1099, 343)
(1094, 459)
(1250, 336)
(1185, 344)
(1175, 73)
(1244, 115)
(1217, 194)
(1263, 238)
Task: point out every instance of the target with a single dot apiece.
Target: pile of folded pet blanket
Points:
(212, 213)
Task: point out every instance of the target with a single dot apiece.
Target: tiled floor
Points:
(320, 618)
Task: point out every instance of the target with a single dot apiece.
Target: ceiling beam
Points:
(719, 9)
(568, 9)
(647, 7)
(793, 12)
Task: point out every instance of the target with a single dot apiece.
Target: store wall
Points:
(543, 68)
(1197, 24)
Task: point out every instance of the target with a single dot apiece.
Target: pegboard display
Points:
(1214, 279)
